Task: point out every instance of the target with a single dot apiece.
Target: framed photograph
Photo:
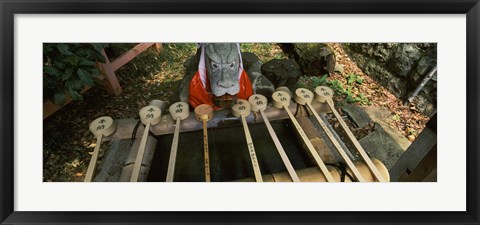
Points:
(396, 54)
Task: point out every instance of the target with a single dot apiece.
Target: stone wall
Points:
(400, 67)
(314, 59)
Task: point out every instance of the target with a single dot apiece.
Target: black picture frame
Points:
(9, 8)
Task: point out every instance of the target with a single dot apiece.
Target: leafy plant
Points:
(347, 90)
(354, 78)
(69, 68)
(322, 81)
(337, 86)
(363, 99)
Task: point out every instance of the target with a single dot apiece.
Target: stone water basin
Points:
(229, 157)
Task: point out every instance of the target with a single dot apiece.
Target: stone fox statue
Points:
(220, 78)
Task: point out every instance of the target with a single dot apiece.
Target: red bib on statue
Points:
(198, 94)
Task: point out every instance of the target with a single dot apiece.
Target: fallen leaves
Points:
(406, 116)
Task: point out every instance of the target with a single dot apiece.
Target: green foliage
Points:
(340, 89)
(68, 68)
(352, 81)
(354, 78)
(362, 99)
(336, 86)
(322, 81)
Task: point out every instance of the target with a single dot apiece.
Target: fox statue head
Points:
(222, 61)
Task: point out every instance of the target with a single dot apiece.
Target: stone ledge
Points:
(384, 143)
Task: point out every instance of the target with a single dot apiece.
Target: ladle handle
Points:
(140, 153)
(337, 145)
(93, 161)
(280, 149)
(310, 147)
(251, 151)
(173, 152)
(205, 150)
(357, 145)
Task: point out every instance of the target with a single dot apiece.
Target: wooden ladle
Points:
(259, 104)
(102, 126)
(149, 115)
(241, 110)
(204, 113)
(178, 111)
(281, 99)
(325, 94)
(304, 96)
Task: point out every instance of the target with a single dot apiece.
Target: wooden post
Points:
(111, 82)
(129, 55)
(158, 47)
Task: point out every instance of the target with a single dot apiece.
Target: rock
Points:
(378, 114)
(314, 59)
(384, 143)
(339, 68)
(357, 115)
(261, 85)
(282, 72)
(382, 116)
(382, 51)
(398, 86)
(183, 90)
(251, 61)
(381, 145)
(395, 84)
(434, 78)
(191, 65)
(427, 45)
(429, 88)
(376, 70)
(359, 59)
(288, 49)
(425, 64)
(252, 65)
(424, 106)
(403, 60)
(399, 67)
